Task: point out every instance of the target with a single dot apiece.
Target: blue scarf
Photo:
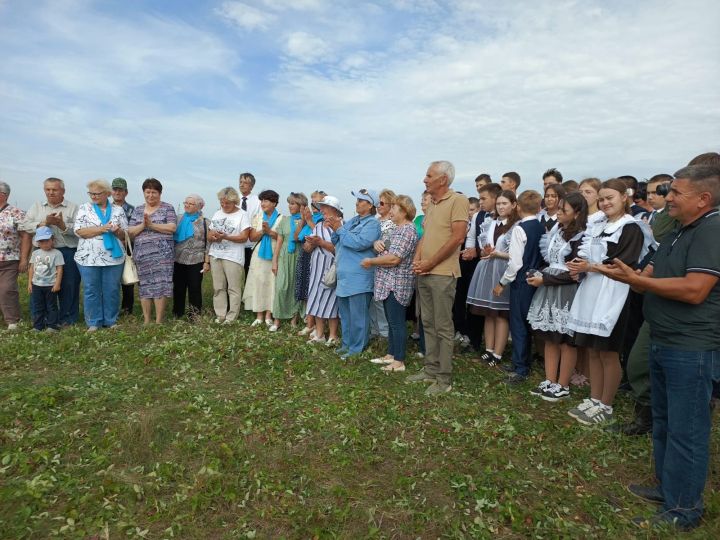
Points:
(185, 228)
(307, 230)
(110, 241)
(294, 218)
(266, 242)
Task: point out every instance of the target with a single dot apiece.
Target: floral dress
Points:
(154, 253)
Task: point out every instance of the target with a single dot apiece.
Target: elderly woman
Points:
(191, 257)
(285, 305)
(354, 242)
(302, 268)
(14, 252)
(152, 225)
(229, 230)
(322, 303)
(395, 280)
(259, 291)
(100, 225)
(378, 321)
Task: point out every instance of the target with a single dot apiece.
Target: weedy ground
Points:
(200, 431)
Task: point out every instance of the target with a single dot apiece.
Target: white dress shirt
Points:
(253, 209)
(518, 239)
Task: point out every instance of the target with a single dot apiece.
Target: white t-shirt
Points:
(232, 225)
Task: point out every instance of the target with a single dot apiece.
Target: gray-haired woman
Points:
(229, 230)
(191, 257)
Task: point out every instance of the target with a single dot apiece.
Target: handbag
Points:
(330, 277)
(130, 273)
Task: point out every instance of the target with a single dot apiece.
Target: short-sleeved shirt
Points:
(45, 265)
(399, 279)
(40, 210)
(10, 219)
(680, 325)
(439, 217)
(232, 225)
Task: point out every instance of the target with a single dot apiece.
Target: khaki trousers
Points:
(228, 281)
(437, 295)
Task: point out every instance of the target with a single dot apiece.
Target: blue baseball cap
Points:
(369, 195)
(43, 233)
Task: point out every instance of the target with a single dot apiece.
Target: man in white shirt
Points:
(59, 214)
(251, 204)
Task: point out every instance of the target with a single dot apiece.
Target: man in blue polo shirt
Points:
(682, 307)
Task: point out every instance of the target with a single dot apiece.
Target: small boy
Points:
(524, 257)
(44, 276)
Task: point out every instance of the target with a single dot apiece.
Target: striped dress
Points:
(322, 301)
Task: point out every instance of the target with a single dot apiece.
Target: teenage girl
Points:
(599, 311)
(494, 240)
(550, 308)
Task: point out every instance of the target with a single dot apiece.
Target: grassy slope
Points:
(201, 431)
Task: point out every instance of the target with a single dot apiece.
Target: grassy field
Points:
(202, 431)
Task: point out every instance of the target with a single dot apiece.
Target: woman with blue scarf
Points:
(259, 292)
(192, 260)
(100, 255)
(285, 305)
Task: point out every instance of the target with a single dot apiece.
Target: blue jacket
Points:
(353, 243)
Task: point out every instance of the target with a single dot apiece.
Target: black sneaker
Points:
(540, 388)
(556, 392)
(647, 493)
(515, 378)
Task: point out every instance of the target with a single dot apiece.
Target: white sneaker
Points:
(12, 327)
(256, 322)
(331, 341)
(597, 414)
(458, 336)
(419, 355)
(227, 321)
(305, 331)
(382, 360)
(580, 409)
(313, 340)
(273, 328)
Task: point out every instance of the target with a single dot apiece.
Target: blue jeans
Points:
(354, 314)
(681, 388)
(69, 294)
(101, 298)
(44, 307)
(397, 327)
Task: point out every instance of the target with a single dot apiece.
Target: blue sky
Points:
(340, 94)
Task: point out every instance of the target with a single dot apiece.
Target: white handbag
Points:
(130, 273)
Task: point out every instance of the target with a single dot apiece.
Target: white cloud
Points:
(247, 17)
(306, 48)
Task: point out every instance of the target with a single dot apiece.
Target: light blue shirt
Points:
(353, 243)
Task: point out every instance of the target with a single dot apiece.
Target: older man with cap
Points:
(119, 192)
(354, 242)
(437, 264)
(59, 214)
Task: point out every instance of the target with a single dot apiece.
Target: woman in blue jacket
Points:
(354, 242)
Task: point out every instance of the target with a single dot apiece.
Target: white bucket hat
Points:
(329, 200)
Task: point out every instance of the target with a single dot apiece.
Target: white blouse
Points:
(91, 251)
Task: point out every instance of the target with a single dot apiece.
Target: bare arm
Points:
(58, 279)
(25, 247)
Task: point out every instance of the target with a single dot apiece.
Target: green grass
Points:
(202, 431)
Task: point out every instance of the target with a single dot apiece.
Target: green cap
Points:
(119, 183)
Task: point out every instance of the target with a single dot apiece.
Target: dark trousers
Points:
(248, 256)
(460, 308)
(521, 295)
(44, 307)
(187, 278)
(128, 298)
(397, 327)
(69, 294)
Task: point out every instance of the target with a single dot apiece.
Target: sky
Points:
(345, 94)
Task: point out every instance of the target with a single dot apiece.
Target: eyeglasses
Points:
(91, 194)
(190, 203)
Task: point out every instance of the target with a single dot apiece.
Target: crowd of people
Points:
(565, 272)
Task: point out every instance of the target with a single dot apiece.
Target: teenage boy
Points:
(524, 256)
(44, 276)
